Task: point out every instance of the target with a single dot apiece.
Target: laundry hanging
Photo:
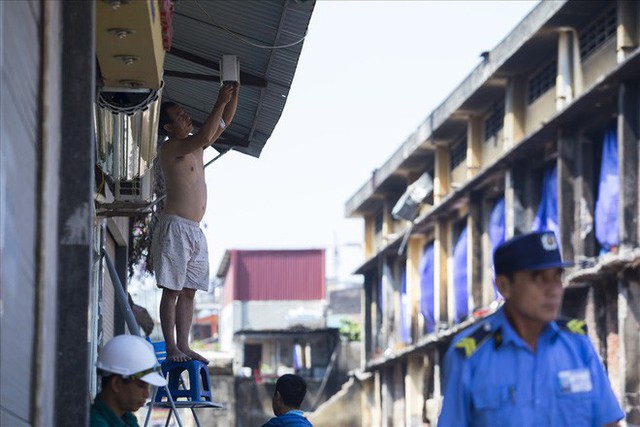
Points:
(547, 216)
(405, 313)
(427, 291)
(497, 234)
(460, 277)
(606, 221)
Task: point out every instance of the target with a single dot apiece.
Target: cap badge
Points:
(549, 242)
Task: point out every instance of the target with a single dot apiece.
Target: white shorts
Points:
(180, 255)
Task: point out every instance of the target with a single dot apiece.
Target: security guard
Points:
(127, 365)
(522, 366)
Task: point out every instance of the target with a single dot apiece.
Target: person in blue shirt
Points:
(522, 366)
(287, 398)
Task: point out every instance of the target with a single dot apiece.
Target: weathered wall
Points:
(342, 410)
(19, 149)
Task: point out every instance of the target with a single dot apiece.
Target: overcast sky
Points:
(370, 72)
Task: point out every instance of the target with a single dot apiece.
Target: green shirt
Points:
(103, 416)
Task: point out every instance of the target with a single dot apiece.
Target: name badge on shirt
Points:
(575, 381)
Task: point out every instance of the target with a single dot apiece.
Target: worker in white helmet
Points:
(127, 365)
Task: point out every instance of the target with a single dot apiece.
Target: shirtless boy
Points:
(179, 247)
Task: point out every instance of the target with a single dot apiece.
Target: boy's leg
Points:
(184, 317)
(168, 311)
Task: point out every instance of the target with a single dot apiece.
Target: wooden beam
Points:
(192, 76)
(245, 78)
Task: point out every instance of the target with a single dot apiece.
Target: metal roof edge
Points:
(544, 11)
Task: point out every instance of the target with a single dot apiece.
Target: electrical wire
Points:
(244, 40)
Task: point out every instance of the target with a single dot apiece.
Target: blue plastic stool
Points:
(199, 382)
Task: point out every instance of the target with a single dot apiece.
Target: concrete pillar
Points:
(627, 37)
(440, 259)
(629, 324)
(474, 146)
(629, 163)
(414, 390)
(75, 213)
(369, 236)
(368, 315)
(566, 179)
(564, 84)
(584, 200)
(510, 201)
(442, 174)
(514, 111)
(415, 249)
(475, 258)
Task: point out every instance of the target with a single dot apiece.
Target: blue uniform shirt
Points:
(498, 381)
(293, 418)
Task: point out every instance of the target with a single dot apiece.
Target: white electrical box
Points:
(229, 69)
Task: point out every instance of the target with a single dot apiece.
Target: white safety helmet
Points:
(132, 357)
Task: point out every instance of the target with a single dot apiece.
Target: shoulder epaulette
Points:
(575, 326)
(469, 345)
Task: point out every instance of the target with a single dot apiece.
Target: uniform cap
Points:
(532, 251)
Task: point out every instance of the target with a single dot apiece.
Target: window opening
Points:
(596, 34)
(542, 81)
(378, 222)
(458, 153)
(493, 124)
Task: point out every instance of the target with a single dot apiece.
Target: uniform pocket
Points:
(492, 405)
(575, 409)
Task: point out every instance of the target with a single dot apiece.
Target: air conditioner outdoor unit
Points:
(136, 190)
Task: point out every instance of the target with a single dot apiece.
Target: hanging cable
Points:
(241, 38)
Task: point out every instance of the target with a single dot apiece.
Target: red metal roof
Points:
(268, 275)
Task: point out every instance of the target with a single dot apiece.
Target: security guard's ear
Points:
(168, 127)
(504, 285)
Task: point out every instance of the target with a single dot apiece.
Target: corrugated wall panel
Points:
(19, 23)
(279, 275)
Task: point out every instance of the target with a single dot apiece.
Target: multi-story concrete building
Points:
(542, 134)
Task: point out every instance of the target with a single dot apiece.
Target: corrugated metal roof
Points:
(268, 275)
(199, 42)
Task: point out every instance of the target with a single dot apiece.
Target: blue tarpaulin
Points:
(460, 276)
(497, 232)
(405, 312)
(606, 221)
(547, 215)
(427, 293)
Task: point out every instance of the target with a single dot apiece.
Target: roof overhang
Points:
(257, 33)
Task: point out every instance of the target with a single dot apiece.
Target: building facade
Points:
(542, 135)
(267, 296)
